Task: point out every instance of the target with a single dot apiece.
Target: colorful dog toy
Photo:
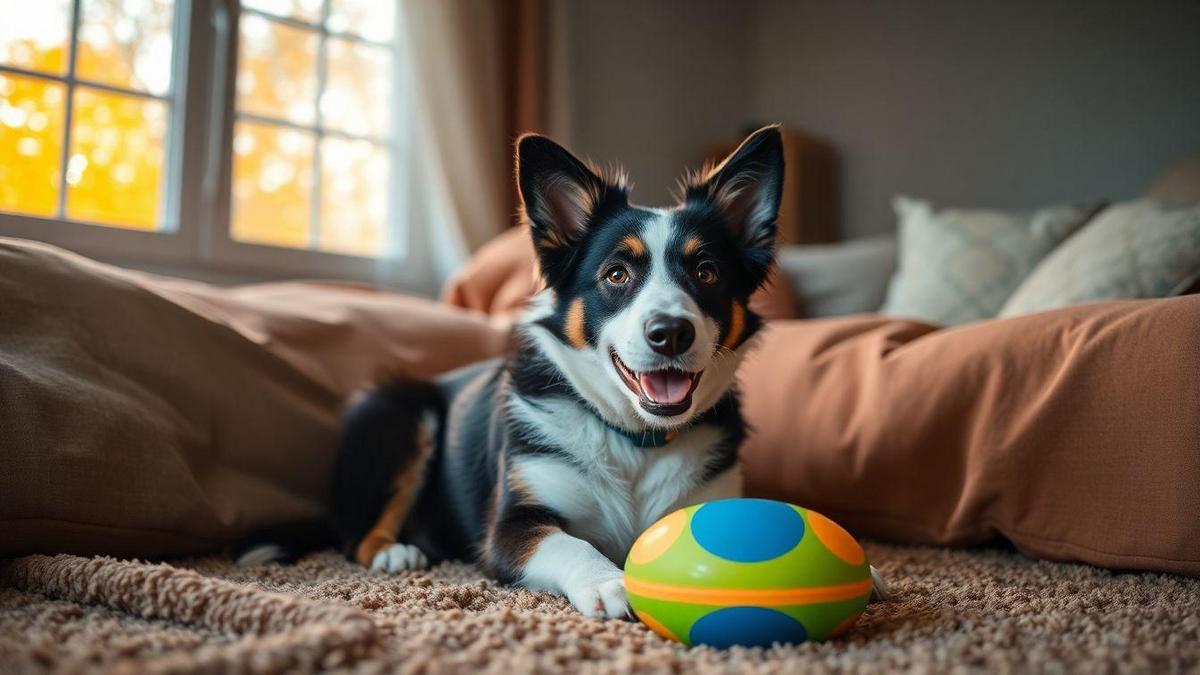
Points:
(747, 572)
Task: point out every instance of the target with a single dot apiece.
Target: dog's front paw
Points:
(601, 597)
(398, 558)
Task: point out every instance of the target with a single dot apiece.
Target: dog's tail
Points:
(286, 542)
(388, 436)
(386, 439)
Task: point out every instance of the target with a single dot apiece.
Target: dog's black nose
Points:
(669, 335)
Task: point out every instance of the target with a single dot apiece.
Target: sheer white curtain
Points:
(469, 88)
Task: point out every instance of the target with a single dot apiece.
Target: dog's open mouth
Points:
(660, 392)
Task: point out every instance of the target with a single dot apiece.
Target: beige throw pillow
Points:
(961, 265)
(1137, 249)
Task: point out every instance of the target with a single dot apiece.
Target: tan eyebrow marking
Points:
(737, 324)
(633, 244)
(574, 326)
(691, 245)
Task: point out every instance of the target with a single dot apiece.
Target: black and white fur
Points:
(535, 466)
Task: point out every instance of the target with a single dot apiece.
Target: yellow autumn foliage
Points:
(116, 159)
(116, 164)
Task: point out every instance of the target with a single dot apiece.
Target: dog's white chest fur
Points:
(608, 489)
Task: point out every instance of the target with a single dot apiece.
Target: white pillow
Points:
(844, 278)
(1137, 249)
(960, 265)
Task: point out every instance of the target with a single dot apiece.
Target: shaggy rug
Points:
(952, 611)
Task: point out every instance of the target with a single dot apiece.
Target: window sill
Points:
(222, 262)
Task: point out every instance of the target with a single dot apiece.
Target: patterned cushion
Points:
(959, 265)
(1138, 249)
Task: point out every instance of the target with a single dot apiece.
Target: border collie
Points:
(617, 407)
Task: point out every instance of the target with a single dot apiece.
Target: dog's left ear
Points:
(746, 188)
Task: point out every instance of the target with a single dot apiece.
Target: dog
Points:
(617, 407)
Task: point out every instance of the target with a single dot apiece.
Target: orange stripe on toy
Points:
(657, 626)
(728, 597)
(838, 541)
(658, 538)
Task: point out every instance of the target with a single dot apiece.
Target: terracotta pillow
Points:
(142, 416)
(1073, 433)
(502, 275)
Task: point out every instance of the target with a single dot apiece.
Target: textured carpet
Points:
(953, 611)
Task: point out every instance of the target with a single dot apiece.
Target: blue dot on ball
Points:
(746, 626)
(747, 530)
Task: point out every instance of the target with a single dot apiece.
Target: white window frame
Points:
(194, 237)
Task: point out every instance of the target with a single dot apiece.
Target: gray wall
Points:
(1006, 104)
(652, 83)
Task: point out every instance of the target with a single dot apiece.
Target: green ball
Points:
(749, 572)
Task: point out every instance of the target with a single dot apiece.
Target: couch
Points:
(148, 416)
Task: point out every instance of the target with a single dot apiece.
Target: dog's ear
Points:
(561, 197)
(746, 188)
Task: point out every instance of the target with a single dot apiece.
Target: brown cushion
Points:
(143, 416)
(502, 275)
(1073, 433)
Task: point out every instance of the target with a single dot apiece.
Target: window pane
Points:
(277, 70)
(34, 35)
(371, 19)
(354, 177)
(305, 10)
(272, 184)
(126, 43)
(115, 165)
(357, 88)
(31, 131)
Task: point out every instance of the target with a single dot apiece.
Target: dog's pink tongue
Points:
(665, 386)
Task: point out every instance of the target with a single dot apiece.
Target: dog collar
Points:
(647, 438)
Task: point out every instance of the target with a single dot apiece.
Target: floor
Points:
(953, 611)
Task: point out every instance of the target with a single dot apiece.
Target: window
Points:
(86, 105)
(311, 143)
(265, 137)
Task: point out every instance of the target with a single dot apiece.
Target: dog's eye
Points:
(616, 275)
(706, 273)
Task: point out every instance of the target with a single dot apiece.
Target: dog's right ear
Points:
(561, 196)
